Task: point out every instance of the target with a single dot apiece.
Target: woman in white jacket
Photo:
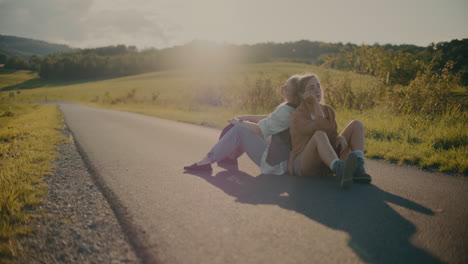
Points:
(252, 134)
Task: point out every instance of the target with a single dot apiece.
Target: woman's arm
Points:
(253, 127)
(264, 125)
(305, 125)
(310, 118)
(277, 121)
(314, 107)
(252, 118)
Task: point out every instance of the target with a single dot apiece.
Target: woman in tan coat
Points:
(317, 149)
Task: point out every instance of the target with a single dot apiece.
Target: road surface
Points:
(404, 216)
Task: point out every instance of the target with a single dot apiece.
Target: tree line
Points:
(396, 64)
(401, 65)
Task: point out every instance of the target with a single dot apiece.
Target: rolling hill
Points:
(25, 47)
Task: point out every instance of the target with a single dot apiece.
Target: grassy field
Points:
(202, 96)
(210, 96)
(10, 77)
(28, 140)
(440, 143)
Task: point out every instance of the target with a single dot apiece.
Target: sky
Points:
(165, 23)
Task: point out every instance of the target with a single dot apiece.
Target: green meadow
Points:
(212, 95)
(10, 77)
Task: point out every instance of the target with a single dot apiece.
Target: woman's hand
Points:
(242, 117)
(251, 118)
(235, 121)
(314, 106)
(341, 144)
(310, 98)
(252, 127)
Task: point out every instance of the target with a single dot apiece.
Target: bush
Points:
(430, 93)
(260, 94)
(339, 93)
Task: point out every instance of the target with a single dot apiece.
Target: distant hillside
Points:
(25, 48)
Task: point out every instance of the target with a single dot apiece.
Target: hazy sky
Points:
(162, 23)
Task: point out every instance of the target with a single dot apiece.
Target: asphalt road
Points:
(404, 216)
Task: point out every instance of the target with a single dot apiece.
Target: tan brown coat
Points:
(302, 127)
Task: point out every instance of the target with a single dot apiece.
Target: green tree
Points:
(16, 63)
(35, 63)
(455, 51)
(3, 58)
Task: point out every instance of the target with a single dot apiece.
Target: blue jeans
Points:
(239, 136)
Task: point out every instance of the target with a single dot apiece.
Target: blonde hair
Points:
(292, 83)
(304, 80)
(297, 83)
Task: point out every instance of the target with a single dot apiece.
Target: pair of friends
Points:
(315, 147)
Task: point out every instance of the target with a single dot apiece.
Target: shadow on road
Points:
(378, 233)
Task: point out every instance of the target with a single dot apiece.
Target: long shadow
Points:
(378, 233)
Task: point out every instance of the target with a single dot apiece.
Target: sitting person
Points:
(253, 135)
(317, 149)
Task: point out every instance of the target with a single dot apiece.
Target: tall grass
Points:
(28, 139)
(422, 124)
(439, 143)
(431, 93)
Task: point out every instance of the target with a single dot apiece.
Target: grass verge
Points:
(28, 139)
(439, 143)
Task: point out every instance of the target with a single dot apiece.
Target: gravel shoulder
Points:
(75, 224)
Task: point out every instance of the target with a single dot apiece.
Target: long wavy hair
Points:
(297, 83)
(302, 83)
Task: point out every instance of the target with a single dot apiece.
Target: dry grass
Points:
(28, 140)
(439, 143)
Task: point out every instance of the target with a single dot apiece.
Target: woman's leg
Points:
(318, 151)
(354, 135)
(238, 136)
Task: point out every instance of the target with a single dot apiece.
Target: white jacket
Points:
(276, 122)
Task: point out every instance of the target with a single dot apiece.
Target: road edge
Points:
(134, 235)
